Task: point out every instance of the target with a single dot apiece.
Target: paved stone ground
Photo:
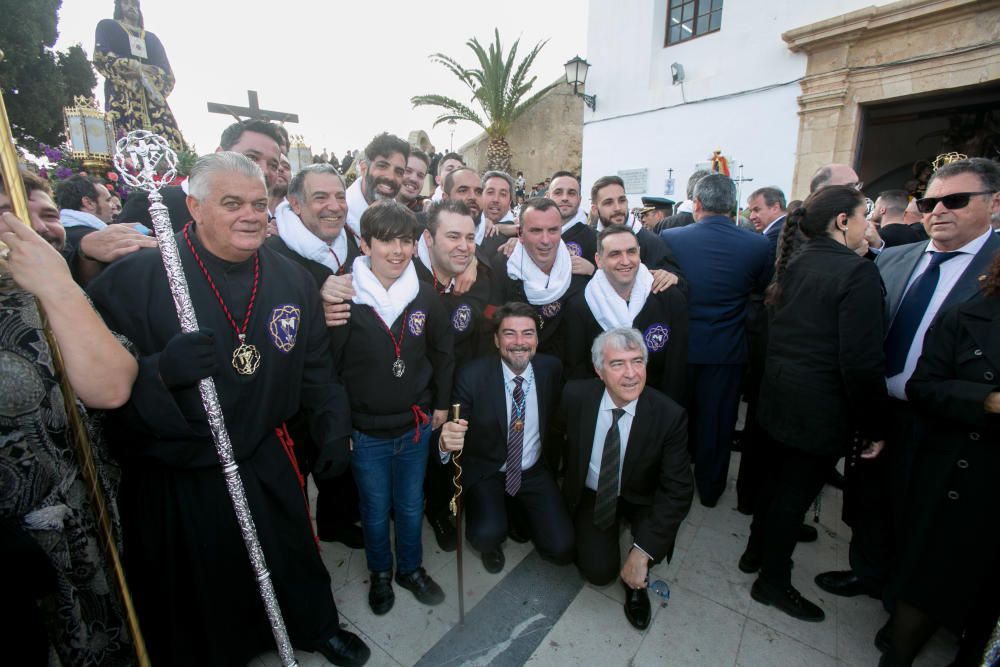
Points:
(534, 613)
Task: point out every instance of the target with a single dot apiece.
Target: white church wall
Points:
(739, 92)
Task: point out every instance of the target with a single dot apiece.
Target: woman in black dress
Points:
(823, 379)
(949, 572)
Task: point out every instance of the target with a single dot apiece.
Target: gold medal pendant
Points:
(398, 367)
(518, 425)
(246, 358)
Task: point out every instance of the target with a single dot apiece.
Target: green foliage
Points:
(499, 86)
(38, 82)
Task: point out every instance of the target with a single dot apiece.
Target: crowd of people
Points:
(597, 358)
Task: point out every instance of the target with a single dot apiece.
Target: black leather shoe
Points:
(749, 562)
(350, 536)
(844, 583)
(883, 638)
(345, 648)
(806, 533)
(637, 609)
(444, 532)
(515, 533)
(380, 595)
(494, 560)
(787, 600)
(421, 585)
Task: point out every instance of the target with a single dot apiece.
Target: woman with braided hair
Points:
(823, 379)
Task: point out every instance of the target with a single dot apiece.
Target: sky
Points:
(348, 69)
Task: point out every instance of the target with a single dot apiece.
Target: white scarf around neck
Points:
(389, 304)
(73, 218)
(541, 288)
(304, 243)
(356, 206)
(609, 309)
(579, 219)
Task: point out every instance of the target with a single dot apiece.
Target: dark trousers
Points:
(875, 495)
(752, 473)
(794, 477)
(598, 552)
(714, 405)
(540, 500)
(438, 486)
(336, 504)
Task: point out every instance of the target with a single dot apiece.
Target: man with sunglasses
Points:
(921, 279)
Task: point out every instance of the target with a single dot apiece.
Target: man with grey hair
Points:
(311, 232)
(626, 460)
(684, 215)
(724, 265)
(263, 341)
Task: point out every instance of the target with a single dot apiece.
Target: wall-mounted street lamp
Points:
(576, 74)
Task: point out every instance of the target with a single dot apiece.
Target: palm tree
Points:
(498, 85)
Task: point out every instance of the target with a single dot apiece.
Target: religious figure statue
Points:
(137, 74)
(719, 163)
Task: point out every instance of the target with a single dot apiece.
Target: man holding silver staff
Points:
(264, 343)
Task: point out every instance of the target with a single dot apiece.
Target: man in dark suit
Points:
(626, 460)
(921, 279)
(723, 265)
(767, 214)
(507, 404)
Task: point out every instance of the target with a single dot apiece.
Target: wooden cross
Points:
(253, 111)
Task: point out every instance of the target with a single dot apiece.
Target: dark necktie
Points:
(606, 503)
(911, 311)
(515, 438)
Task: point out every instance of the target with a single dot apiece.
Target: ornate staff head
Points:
(153, 162)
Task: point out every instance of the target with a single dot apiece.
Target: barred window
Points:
(692, 18)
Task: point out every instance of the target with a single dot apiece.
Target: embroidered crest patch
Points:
(550, 310)
(284, 326)
(656, 337)
(461, 319)
(416, 322)
(574, 248)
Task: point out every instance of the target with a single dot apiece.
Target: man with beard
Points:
(620, 294)
(57, 589)
(539, 271)
(279, 189)
(91, 241)
(311, 232)
(264, 344)
(413, 180)
(888, 213)
(447, 251)
(380, 177)
(609, 204)
(508, 404)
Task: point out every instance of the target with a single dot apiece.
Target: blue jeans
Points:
(390, 474)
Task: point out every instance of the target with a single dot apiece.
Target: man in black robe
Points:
(263, 341)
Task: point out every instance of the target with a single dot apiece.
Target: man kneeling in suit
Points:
(626, 460)
(507, 403)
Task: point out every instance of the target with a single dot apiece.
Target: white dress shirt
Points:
(951, 271)
(604, 419)
(531, 449)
